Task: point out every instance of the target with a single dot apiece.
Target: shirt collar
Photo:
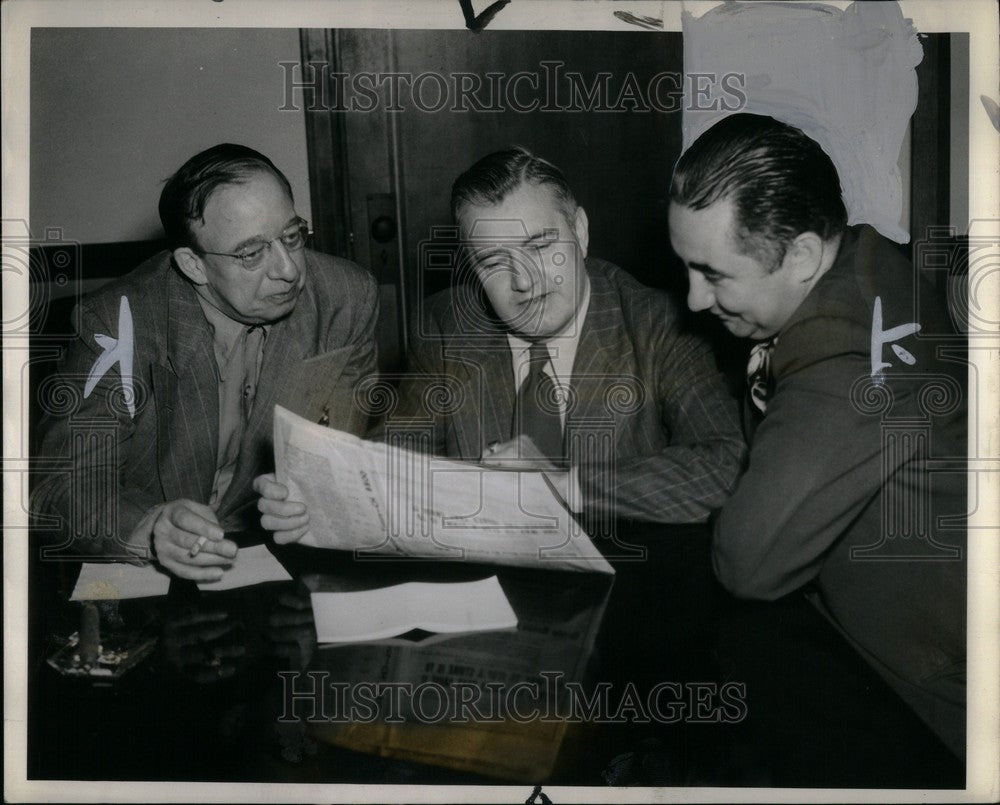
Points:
(226, 332)
(562, 346)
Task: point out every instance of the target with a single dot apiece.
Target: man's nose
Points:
(700, 296)
(283, 267)
(521, 279)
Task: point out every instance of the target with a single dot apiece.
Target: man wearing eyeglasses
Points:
(205, 338)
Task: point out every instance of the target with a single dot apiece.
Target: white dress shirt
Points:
(562, 353)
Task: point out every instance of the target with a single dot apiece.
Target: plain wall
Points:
(960, 143)
(115, 111)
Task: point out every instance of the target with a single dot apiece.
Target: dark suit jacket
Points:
(838, 492)
(650, 423)
(112, 468)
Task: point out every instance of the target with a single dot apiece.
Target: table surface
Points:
(688, 686)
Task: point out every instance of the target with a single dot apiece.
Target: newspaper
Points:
(373, 498)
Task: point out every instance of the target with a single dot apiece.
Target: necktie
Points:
(238, 391)
(253, 342)
(536, 413)
(759, 373)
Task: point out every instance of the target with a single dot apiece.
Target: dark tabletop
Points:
(651, 677)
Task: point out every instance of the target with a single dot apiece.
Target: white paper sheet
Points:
(254, 565)
(434, 607)
(117, 580)
(114, 580)
(367, 496)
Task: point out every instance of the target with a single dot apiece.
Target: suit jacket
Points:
(650, 424)
(112, 467)
(839, 492)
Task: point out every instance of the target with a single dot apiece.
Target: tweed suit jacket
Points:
(839, 496)
(114, 467)
(650, 424)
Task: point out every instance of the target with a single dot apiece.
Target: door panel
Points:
(618, 163)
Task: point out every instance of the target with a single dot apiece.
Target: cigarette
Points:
(196, 548)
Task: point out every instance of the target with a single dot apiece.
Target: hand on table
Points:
(521, 453)
(189, 542)
(291, 628)
(203, 645)
(288, 519)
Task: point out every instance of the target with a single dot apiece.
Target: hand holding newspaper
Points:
(374, 498)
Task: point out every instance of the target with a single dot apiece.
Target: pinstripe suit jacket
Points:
(650, 424)
(112, 468)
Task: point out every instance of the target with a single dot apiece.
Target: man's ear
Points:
(190, 265)
(804, 256)
(581, 228)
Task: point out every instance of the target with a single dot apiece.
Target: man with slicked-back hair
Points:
(850, 400)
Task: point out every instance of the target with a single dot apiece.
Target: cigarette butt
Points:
(196, 548)
(90, 634)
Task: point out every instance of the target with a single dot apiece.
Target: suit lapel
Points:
(485, 377)
(497, 378)
(187, 398)
(603, 357)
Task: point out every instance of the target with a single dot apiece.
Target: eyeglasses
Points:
(252, 257)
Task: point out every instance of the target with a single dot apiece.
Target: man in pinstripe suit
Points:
(636, 410)
(164, 441)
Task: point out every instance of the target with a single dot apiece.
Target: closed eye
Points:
(709, 273)
(494, 268)
(251, 253)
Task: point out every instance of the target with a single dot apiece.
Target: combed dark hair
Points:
(494, 177)
(781, 183)
(185, 194)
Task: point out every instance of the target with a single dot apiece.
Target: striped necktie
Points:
(536, 413)
(759, 373)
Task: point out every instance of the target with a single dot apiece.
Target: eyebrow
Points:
(487, 253)
(261, 239)
(703, 268)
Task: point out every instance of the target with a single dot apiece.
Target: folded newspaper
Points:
(373, 498)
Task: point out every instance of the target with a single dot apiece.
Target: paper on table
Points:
(433, 607)
(115, 580)
(372, 497)
(253, 565)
